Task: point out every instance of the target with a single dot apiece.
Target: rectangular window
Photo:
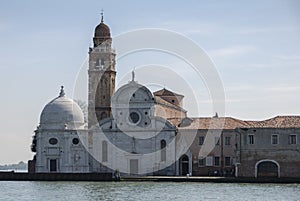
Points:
(274, 139)
(250, 139)
(227, 161)
(201, 140)
(202, 161)
(217, 140)
(97, 63)
(227, 140)
(209, 161)
(292, 139)
(217, 161)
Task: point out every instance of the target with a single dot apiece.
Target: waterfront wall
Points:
(55, 176)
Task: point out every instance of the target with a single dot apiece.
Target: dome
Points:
(132, 93)
(102, 30)
(102, 33)
(61, 113)
(132, 98)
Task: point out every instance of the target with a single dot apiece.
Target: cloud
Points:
(292, 57)
(262, 30)
(196, 27)
(283, 89)
(233, 51)
(193, 27)
(279, 61)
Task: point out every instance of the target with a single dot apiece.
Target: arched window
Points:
(103, 115)
(97, 63)
(104, 151)
(163, 154)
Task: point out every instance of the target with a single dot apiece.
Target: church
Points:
(134, 131)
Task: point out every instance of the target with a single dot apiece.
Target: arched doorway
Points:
(267, 168)
(184, 165)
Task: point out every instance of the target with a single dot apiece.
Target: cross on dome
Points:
(102, 14)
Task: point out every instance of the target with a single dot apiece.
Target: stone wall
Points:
(283, 154)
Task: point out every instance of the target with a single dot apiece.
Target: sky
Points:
(255, 46)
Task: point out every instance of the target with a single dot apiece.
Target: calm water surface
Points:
(16, 190)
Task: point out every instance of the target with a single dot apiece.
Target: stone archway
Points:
(267, 168)
(184, 165)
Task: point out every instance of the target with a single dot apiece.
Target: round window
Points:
(134, 117)
(53, 141)
(75, 140)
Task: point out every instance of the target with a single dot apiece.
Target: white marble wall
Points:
(70, 157)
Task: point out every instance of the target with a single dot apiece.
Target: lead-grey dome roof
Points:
(61, 113)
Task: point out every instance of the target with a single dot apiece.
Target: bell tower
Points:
(102, 74)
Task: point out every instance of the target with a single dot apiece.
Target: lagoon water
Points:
(29, 190)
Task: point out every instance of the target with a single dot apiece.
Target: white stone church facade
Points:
(123, 132)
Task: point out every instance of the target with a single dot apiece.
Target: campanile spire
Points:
(102, 74)
(102, 32)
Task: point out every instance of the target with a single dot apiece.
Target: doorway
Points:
(267, 168)
(184, 165)
(134, 166)
(53, 165)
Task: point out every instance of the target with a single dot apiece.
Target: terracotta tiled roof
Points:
(161, 101)
(166, 92)
(216, 123)
(277, 122)
(232, 123)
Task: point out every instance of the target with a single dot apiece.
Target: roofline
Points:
(175, 94)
